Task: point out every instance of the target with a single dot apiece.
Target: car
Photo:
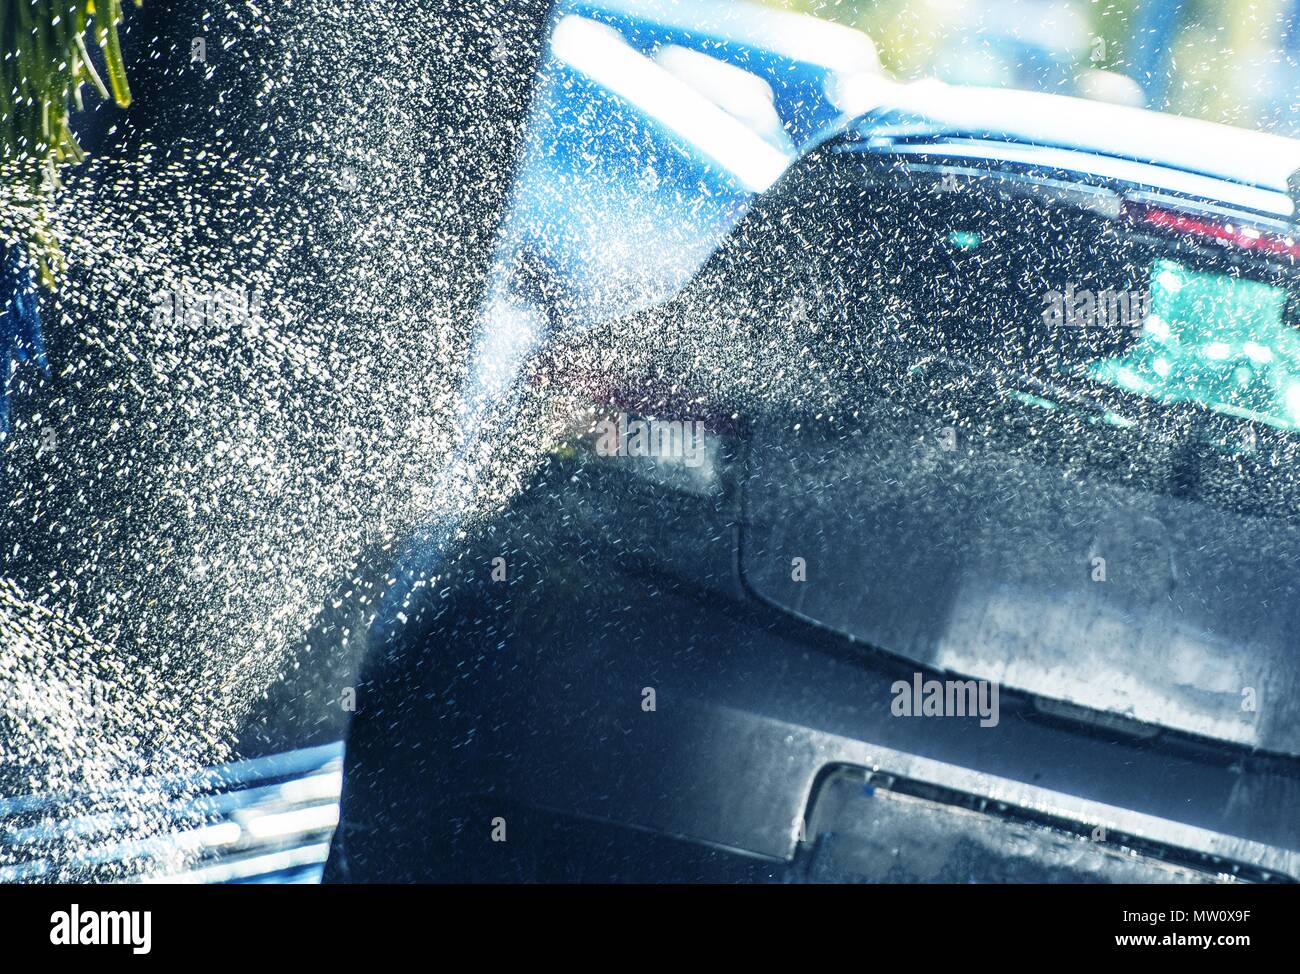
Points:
(941, 530)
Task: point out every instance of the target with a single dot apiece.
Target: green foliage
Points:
(44, 62)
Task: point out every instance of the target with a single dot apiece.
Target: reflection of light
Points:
(1161, 365)
(1170, 281)
(250, 868)
(798, 37)
(293, 822)
(742, 95)
(1291, 399)
(1131, 380)
(601, 54)
(207, 837)
(1157, 327)
(1257, 352)
(1217, 351)
(1253, 159)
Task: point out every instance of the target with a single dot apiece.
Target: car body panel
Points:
(1230, 154)
(624, 674)
(533, 691)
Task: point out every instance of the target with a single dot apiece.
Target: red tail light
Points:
(1241, 236)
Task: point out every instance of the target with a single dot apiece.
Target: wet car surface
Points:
(920, 475)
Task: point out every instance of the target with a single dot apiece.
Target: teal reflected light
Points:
(1217, 340)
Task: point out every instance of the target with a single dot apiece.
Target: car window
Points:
(1064, 460)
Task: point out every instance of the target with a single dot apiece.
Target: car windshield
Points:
(984, 268)
(1067, 449)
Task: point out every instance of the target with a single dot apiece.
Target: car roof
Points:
(798, 37)
(1060, 122)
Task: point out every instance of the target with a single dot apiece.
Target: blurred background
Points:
(1232, 61)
